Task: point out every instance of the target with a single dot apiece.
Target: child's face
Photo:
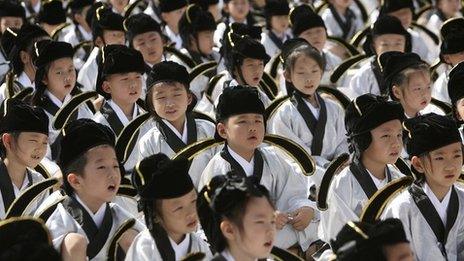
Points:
(179, 215)
(150, 44)
(119, 5)
(170, 100)
(172, 18)
(306, 75)
(10, 21)
(316, 36)
(114, 37)
(252, 71)
(61, 77)
(238, 9)
(398, 252)
(243, 132)
(28, 149)
(386, 144)
(101, 178)
(255, 237)
(205, 41)
(460, 108)
(416, 94)
(449, 7)
(389, 42)
(279, 23)
(442, 166)
(404, 15)
(125, 88)
(342, 3)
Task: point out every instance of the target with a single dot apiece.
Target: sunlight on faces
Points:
(449, 7)
(114, 37)
(238, 9)
(125, 88)
(416, 94)
(150, 44)
(398, 252)
(404, 15)
(255, 236)
(179, 215)
(28, 149)
(305, 75)
(205, 42)
(101, 178)
(316, 36)
(172, 18)
(279, 23)
(387, 143)
(442, 166)
(252, 70)
(389, 42)
(170, 100)
(10, 21)
(244, 132)
(61, 77)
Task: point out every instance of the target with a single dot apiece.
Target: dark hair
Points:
(403, 77)
(304, 50)
(15, 136)
(29, 251)
(15, 55)
(76, 167)
(226, 197)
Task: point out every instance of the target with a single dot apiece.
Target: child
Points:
(24, 133)
(451, 53)
(374, 131)
(455, 90)
(120, 83)
(12, 15)
(431, 209)
(342, 21)
(276, 13)
(241, 123)
(107, 28)
(169, 202)
(84, 222)
(118, 6)
(443, 10)
(238, 217)
(55, 85)
(51, 16)
(387, 34)
(314, 122)
(407, 78)
(171, 12)
(235, 11)
(21, 57)
(308, 25)
(212, 6)
(170, 102)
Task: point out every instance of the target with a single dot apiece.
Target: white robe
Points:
(271, 48)
(144, 247)
(423, 242)
(419, 47)
(346, 200)
(440, 88)
(364, 81)
(88, 74)
(334, 29)
(288, 189)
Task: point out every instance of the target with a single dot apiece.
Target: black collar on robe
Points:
(6, 185)
(316, 126)
(163, 244)
(97, 236)
(147, 68)
(364, 179)
(234, 165)
(275, 39)
(379, 77)
(344, 25)
(172, 139)
(431, 215)
(30, 8)
(112, 117)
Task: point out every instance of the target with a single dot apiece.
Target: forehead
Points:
(390, 37)
(388, 126)
(305, 61)
(101, 152)
(245, 116)
(259, 206)
(451, 148)
(167, 86)
(146, 35)
(62, 62)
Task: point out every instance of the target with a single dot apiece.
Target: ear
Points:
(6, 140)
(164, 16)
(99, 41)
(227, 230)
(417, 164)
(221, 128)
(397, 92)
(106, 87)
(189, 97)
(45, 79)
(74, 180)
(287, 76)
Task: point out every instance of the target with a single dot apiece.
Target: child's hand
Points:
(281, 220)
(301, 218)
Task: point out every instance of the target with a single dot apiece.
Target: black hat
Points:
(240, 47)
(169, 178)
(91, 13)
(106, 19)
(52, 12)
(12, 8)
(27, 33)
(195, 20)
(18, 116)
(452, 33)
(115, 59)
(238, 100)
(388, 232)
(303, 18)
(22, 230)
(47, 51)
(8, 40)
(168, 71)
(276, 7)
(456, 83)
(204, 3)
(139, 24)
(252, 31)
(289, 46)
(389, 6)
(430, 132)
(394, 62)
(368, 111)
(166, 6)
(388, 25)
(79, 4)
(81, 135)
(353, 231)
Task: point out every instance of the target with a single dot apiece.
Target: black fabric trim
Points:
(173, 140)
(258, 164)
(364, 179)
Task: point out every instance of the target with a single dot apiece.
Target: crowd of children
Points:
(231, 130)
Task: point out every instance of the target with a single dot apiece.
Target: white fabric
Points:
(184, 135)
(57, 101)
(180, 249)
(248, 167)
(88, 74)
(175, 38)
(25, 81)
(121, 115)
(333, 29)
(379, 183)
(98, 216)
(440, 206)
(17, 191)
